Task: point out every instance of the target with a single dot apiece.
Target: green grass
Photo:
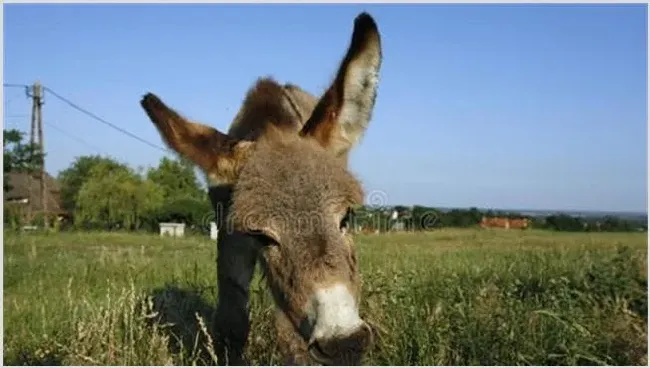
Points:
(453, 297)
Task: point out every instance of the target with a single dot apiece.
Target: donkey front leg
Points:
(236, 259)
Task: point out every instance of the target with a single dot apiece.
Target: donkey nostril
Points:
(318, 354)
(369, 335)
(342, 350)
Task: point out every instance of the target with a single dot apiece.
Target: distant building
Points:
(172, 229)
(24, 197)
(504, 223)
(214, 231)
(398, 226)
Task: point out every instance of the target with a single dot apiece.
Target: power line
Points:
(72, 136)
(10, 118)
(11, 97)
(90, 114)
(15, 85)
(8, 101)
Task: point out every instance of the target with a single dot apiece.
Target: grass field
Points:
(453, 297)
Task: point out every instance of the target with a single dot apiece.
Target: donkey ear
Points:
(342, 114)
(218, 154)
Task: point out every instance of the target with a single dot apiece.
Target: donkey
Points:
(282, 195)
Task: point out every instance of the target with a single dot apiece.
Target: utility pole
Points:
(32, 138)
(32, 141)
(37, 124)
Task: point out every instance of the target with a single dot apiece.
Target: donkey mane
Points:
(267, 103)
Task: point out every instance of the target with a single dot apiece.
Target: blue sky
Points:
(502, 106)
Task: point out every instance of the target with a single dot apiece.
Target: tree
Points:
(116, 198)
(426, 218)
(401, 209)
(177, 180)
(475, 215)
(195, 213)
(564, 222)
(19, 156)
(75, 176)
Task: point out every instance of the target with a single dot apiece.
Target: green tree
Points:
(116, 198)
(426, 218)
(613, 223)
(195, 213)
(18, 156)
(75, 176)
(401, 209)
(564, 222)
(475, 215)
(177, 180)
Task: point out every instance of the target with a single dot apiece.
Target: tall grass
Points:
(453, 297)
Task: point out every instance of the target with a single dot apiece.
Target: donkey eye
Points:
(345, 222)
(263, 239)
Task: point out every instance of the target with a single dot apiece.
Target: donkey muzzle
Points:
(342, 350)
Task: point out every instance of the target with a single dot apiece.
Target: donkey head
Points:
(291, 189)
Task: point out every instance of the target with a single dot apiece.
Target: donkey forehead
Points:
(295, 176)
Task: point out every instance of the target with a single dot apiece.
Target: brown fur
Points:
(282, 156)
(269, 103)
(298, 204)
(328, 124)
(217, 154)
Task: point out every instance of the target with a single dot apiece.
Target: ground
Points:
(450, 297)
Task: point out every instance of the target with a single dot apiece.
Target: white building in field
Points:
(172, 229)
(213, 230)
